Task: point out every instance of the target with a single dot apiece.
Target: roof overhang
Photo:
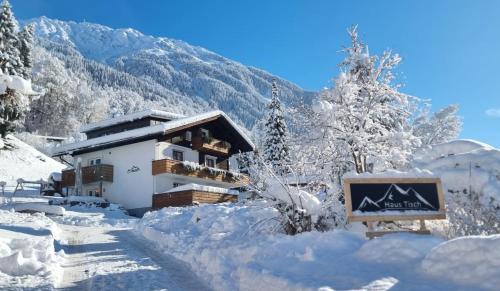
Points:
(150, 132)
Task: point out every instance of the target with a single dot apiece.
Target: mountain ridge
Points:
(182, 72)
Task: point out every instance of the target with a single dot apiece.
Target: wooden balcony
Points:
(90, 174)
(178, 168)
(211, 145)
(189, 197)
(68, 178)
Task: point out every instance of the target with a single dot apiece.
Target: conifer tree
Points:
(10, 61)
(14, 101)
(25, 50)
(276, 149)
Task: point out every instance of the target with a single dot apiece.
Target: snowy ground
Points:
(226, 247)
(85, 249)
(235, 247)
(19, 160)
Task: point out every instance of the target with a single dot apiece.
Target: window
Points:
(178, 155)
(210, 161)
(189, 135)
(94, 192)
(205, 134)
(96, 161)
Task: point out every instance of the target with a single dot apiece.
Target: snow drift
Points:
(238, 247)
(27, 251)
(473, 260)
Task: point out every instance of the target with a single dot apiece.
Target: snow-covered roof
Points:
(163, 128)
(130, 117)
(204, 188)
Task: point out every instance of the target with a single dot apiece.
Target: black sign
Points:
(394, 197)
(389, 199)
(133, 169)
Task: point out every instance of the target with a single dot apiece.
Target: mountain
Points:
(368, 205)
(172, 73)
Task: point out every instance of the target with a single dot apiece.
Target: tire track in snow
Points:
(107, 258)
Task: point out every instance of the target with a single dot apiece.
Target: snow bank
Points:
(39, 207)
(27, 252)
(402, 248)
(474, 261)
(94, 216)
(236, 247)
(20, 257)
(23, 161)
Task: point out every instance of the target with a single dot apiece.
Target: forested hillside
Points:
(88, 72)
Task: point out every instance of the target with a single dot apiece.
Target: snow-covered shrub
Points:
(300, 211)
(333, 213)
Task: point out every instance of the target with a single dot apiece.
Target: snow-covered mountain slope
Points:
(19, 160)
(163, 68)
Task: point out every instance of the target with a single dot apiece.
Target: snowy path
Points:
(108, 258)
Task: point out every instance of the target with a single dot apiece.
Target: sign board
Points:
(390, 199)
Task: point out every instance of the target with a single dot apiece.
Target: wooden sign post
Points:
(392, 199)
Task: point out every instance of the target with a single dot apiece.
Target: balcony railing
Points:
(195, 170)
(211, 145)
(90, 174)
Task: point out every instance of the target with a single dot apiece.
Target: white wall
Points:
(164, 151)
(135, 189)
(130, 189)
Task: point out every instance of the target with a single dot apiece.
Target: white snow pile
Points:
(25, 162)
(39, 207)
(473, 260)
(237, 247)
(93, 216)
(27, 253)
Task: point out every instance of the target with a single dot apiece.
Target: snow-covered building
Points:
(152, 159)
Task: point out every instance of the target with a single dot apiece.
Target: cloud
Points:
(493, 112)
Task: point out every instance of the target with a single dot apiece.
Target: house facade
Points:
(152, 159)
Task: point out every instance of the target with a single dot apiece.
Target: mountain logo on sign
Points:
(396, 198)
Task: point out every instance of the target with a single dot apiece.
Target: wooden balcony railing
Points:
(68, 178)
(188, 197)
(197, 171)
(90, 174)
(211, 145)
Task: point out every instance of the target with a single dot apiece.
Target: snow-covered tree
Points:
(364, 120)
(25, 49)
(10, 61)
(275, 146)
(14, 102)
(14, 90)
(444, 125)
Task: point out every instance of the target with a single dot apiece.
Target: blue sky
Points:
(450, 49)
